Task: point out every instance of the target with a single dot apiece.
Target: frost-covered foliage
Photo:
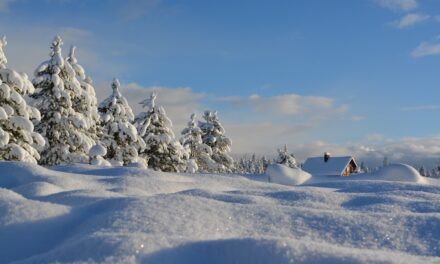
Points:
(286, 158)
(64, 128)
(199, 153)
(18, 141)
(252, 164)
(120, 137)
(85, 102)
(213, 136)
(164, 152)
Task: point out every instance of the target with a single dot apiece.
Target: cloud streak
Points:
(401, 5)
(411, 20)
(426, 49)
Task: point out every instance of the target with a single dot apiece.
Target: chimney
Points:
(326, 156)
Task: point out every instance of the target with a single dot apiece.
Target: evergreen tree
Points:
(64, 129)
(18, 141)
(286, 158)
(165, 153)
(85, 102)
(120, 137)
(201, 153)
(364, 168)
(213, 136)
(422, 171)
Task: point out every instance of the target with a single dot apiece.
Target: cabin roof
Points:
(334, 165)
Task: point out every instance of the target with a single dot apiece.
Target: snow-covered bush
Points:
(286, 158)
(199, 153)
(120, 137)
(97, 154)
(64, 128)
(18, 141)
(164, 152)
(213, 136)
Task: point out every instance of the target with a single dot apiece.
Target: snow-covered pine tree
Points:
(164, 152)
(286, 158)
(86, 103)
(120, 137)
(65, 129)
(201, 153)
(213, 136)
(18, 141)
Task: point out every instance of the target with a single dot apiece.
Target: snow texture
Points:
(18, 141)
(88, 214)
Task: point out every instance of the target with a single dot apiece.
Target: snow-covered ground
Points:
(129, 215)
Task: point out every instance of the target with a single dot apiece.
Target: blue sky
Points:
(341, 76)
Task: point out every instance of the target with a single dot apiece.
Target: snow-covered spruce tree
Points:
(120, 137)
(85, 103)
(18, 141)
(213, 136)
(64, 129)
(164, 152)
(286, 158)
(200, 153)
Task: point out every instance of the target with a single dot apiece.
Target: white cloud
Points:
(420, 108)
(404, 5)
(4, 5)
(289, 104)
(426, 49)
(134, 9)
(375, 137)
(410, 20)
(416, 151)
(357, 118)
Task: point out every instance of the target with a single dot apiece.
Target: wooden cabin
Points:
(328, 165)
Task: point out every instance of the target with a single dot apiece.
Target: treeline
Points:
(55, 119)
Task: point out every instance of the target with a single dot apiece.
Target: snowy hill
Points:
(89, 214)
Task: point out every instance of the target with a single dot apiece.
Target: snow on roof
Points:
(334, 166)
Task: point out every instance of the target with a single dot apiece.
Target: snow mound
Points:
(400, 172)
(278, 173)
(37, 189)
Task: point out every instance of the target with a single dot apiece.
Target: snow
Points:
(90, 214)
(282, 174)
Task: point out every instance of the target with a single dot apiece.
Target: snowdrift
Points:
(89, 214)
(278, 173)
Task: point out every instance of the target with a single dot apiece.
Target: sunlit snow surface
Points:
(128, 215)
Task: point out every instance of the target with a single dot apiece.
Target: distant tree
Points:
(363, 167)
(199, 152)
(18, 141)
(286, 158)
(422, 171)
(164, 152)
(385, 161)
(120, 137)
(214, 137)
(64, 129)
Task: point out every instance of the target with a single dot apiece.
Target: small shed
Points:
(327, 165)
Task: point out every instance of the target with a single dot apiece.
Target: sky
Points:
(355, 78)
